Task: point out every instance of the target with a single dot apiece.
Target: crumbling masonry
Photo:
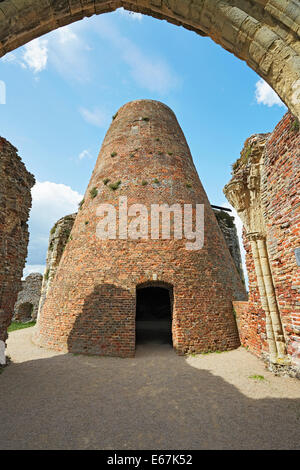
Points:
(265, 190)
(59, 236)
(60, 232)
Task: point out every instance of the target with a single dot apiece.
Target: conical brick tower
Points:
(92, 305)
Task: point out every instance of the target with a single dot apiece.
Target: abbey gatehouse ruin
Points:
(15, 202)
(100, 290)
(264, 189)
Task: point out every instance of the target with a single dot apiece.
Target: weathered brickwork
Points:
(26, 307)
(90, 307)
(228, 228)
(58, 239)
(265, 189)
(15, 203)
(264, 33)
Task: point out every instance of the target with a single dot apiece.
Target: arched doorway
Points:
(154, 303)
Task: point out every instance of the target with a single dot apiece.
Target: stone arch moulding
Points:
(264, 33)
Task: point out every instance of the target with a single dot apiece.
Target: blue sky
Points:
(62, 90)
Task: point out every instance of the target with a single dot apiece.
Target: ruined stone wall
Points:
(90, 307)
(58, 239)
(228, 228)
(264, 33)
(26, 307)
(15, 203)
(265, 190)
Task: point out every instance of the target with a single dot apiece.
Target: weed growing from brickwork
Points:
(93, 192)
(295, 126)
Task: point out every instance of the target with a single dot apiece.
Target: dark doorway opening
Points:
(153, 315)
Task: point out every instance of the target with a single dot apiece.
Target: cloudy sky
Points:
(62, 90)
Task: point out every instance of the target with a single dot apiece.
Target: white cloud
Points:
(33, 268)
(85, 154)
(96, 117)
(50, 202)
(264, 94)
(129, 14)
(35, 55)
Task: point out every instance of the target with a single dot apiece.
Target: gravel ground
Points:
(157, 400)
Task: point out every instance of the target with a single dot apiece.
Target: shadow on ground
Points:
(154, 401)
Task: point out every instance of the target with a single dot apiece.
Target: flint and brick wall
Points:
(15, 203)
(280, 198)
(90, 307)
(228, 228)
(26, 307)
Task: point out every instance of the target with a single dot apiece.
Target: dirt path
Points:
(154, 401)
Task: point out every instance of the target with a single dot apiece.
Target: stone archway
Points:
(264, 33)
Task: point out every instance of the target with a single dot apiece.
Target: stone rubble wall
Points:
(30, 294)
(59, 236)
(265, 190)
(15, 203)
(90, 307)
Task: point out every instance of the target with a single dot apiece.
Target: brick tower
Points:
(92, 306)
